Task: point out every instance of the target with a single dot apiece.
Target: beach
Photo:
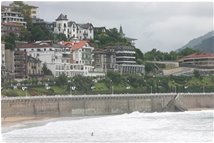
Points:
(188, 126)
(10, 121)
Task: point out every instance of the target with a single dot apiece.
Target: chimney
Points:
(65, 16)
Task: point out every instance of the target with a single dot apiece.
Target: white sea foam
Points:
(193, 126)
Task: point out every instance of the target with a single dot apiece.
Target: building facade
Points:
(20, 61)
(34, 67)
(69, 58)
(117, 58)
(11, 27)
(72, 30)
(8, 15)
(198, 60)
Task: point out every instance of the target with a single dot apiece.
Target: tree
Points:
(25, 35)
(10, 41)
(187, 51)
(61, 37)
(61, 80)
(196, 73)
(38, 34)
(25, 9)
(45, 70)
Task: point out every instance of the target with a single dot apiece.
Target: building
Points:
(125, 58)
(131, 40)
(34, 67)
(42, 23)
(125, 55)
(72, 30)
(11, 27)
(82, 52)
(20, 61)
(81, 60)
(198, 60)
(8, 15)
(100, 29)
(45, 52)
(9, 64)
(3, 68)
(69, 58)
(117, 58)
(33, 10)
(105, 60)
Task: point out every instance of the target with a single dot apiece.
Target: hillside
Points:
(203, 43)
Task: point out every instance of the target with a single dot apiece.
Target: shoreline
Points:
(11, 121)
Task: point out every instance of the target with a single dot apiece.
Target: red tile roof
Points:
(75, 45)
(199, 56)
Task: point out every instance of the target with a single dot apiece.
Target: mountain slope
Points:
(203, 43)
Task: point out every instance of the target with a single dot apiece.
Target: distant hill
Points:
(204, 43)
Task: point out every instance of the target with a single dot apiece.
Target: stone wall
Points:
(88, 105)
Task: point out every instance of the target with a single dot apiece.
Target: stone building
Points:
(34, 67)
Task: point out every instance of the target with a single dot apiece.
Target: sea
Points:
(188, 126)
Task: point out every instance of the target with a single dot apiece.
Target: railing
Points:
(107, 96)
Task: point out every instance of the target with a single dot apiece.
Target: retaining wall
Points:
(88, 105)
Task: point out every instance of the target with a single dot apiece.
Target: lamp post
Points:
(203, 89)
(151, 89)
(112, 87)
(25, 88)
(73, 88)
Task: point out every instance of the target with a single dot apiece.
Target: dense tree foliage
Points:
(25, 10)
(45, 70)
(109, 38)
(10, 41)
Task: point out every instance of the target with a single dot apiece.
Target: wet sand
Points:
(10, 121)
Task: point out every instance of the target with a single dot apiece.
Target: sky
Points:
(165, 26)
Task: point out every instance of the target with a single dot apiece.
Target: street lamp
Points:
(112, 87)
(203, 89)
(25, 88)
(151, 89)
(72, 88)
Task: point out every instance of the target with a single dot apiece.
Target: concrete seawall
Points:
(101, 105)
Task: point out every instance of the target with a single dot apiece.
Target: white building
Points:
(70, 58)
(72, 30)
(7, 15)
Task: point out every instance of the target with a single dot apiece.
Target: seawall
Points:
(87, 105)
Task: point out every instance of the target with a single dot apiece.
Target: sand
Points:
(9, 121)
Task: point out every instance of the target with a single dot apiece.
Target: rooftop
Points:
(62, 17)
(199, 56)
(75, 45)
(32, 45)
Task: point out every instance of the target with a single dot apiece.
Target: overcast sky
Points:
(162, 25)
